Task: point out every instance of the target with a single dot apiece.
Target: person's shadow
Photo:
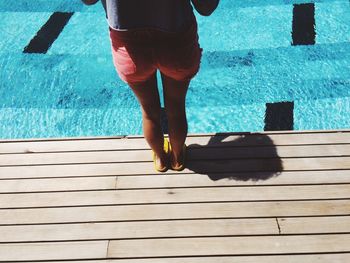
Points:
(241, 157)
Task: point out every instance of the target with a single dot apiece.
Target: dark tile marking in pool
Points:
(279, 116)
(303, 24)
(164, 121)
(228, 59)
(48, 33)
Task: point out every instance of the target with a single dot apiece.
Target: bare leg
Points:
(148, 97)
(174, 98)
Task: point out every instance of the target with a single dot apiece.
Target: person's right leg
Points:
(148, 97)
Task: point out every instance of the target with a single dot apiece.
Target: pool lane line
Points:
(279, 116)
(304, 32)
(48, 33)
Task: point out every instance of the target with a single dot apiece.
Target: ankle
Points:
(176, 157)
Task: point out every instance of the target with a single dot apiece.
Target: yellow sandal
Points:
(166, 148)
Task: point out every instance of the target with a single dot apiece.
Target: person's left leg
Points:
(174, 100)
(134, 63)
(148, 97)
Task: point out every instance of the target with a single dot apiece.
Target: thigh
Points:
(174, 95)
(148, 96)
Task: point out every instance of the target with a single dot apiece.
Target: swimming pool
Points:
(253, 68)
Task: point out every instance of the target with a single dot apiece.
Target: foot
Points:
(178, 162)
(161, 163)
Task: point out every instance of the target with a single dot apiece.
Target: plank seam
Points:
(168, 174)
(107, 251)
(279, 227)
(170, 203)
(186, 219)
(233, 255)
(116, 183)
(340, 156)
(176, 203)
(178, 237)
(176, 187)
(170, 219)
(189, 146)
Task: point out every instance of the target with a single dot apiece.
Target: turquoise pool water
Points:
(248, 61)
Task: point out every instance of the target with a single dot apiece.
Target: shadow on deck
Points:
(251, 162)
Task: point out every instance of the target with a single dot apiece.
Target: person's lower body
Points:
(137, 56)
(174, 100)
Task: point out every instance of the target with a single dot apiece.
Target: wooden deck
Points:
(267, 197)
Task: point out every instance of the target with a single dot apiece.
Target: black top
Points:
(166, 15)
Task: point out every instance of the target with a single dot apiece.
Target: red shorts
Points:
(137, 54)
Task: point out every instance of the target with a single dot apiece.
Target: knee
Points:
(151, 113)
(176, 115)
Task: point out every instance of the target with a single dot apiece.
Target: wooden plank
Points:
(73, 170)
(338, 224)
(75, 157)
(175, 228)
(316, 258)
(270, 139)
(202, 167)
(232, 179)
(173, 181)
(122, 230)
(228, 246)
(202, 153)
(139, 143)
(53, 250)
(174, 211)
(277, 164)
(72, 145)
(61, 184)
(164, 196)
(215, 153)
